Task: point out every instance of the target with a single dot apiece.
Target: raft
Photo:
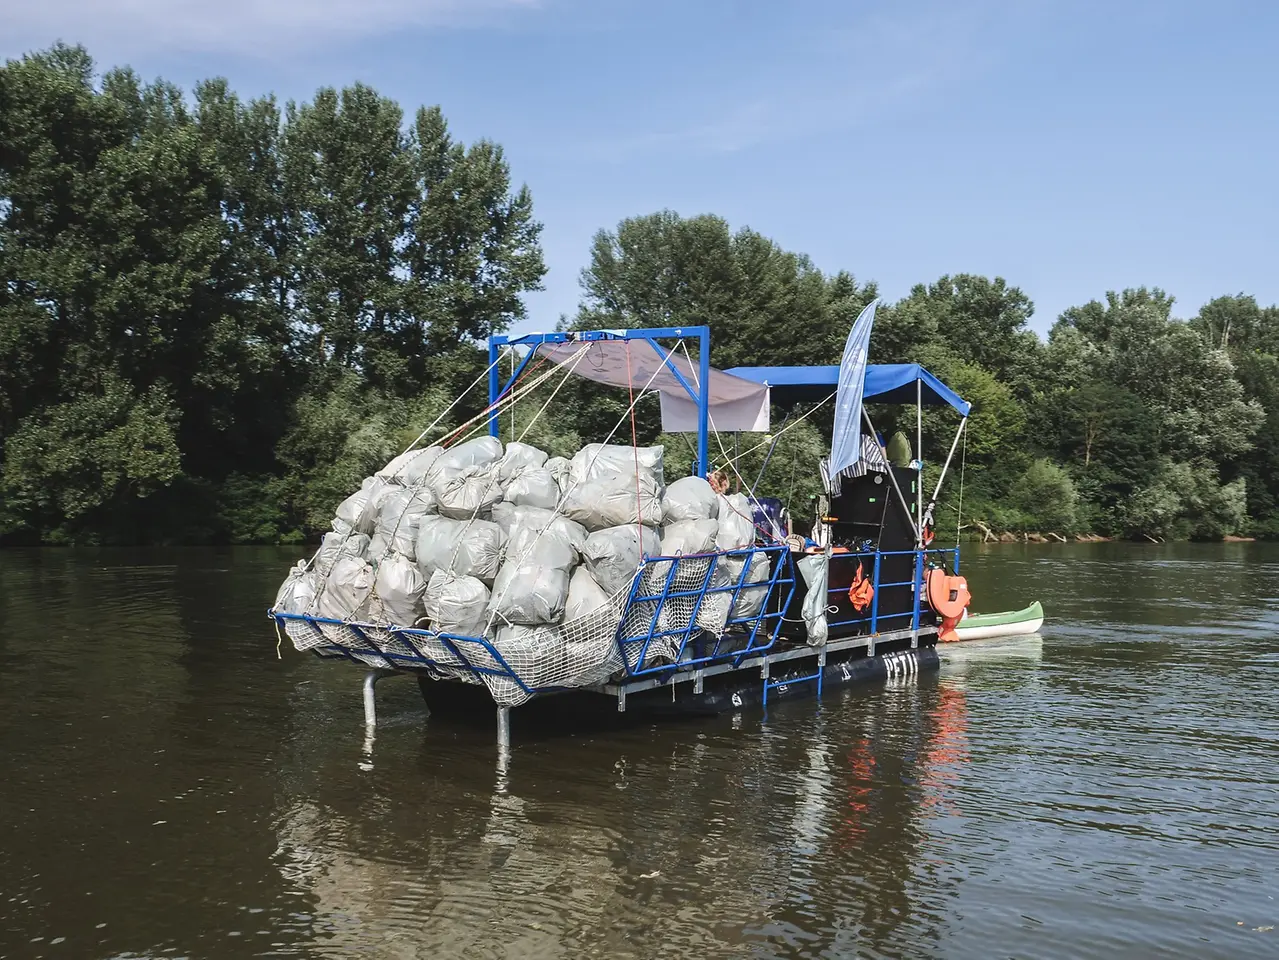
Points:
(1010, 623)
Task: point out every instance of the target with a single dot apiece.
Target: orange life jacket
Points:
(861, 592)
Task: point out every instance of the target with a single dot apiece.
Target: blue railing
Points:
(921, 558)
(665, 615)
(662, 630)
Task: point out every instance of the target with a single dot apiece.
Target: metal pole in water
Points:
(370, 701)
(504, 730)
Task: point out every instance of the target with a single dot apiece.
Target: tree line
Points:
(217, 315)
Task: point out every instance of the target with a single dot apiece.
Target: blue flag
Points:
(846, 443)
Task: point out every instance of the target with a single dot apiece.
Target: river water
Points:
(172, 789)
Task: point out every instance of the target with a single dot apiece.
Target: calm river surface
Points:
(171, 789)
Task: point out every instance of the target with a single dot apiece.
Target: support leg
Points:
(504, 729)
(370, 701)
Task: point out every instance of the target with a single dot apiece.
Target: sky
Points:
(1069, 147)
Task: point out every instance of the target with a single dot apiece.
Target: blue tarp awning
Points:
(885, 382)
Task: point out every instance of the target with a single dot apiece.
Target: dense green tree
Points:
(185, 282)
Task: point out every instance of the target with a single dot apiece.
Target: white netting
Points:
(543, 582)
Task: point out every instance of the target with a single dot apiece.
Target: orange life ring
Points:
(949, 597)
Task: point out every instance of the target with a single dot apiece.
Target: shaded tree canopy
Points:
(217, 315)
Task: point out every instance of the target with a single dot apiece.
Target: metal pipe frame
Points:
(932, 503)
(699, 395)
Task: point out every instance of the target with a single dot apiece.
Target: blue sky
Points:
(1070, 147)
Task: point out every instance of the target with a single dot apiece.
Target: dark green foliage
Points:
(214, 315)
(218, 315)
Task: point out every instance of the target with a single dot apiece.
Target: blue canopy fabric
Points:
(885, 382)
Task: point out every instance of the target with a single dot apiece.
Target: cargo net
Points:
(494, 563)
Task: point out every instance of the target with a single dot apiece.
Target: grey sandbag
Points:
(754, 587)
(736, 523)
(297, 593)
(613, 500)
(457, 605)
(597, 460)
(399, 587)
(360, 509)
(690, 498)
(397, 522)
(559, 469)
(585, 596)
(464, 548)
(814, 568)
(534, 487)
(532, 586)
(409, 469)
(688, 537)
(468, 494)
(480, 452)
(508, 516)
(613, 556)
(335, 545)
(346, 591)
(518, 458)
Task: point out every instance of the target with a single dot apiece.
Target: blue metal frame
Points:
(700, 394)
(921, 559)
(479, 657)
(681, 657)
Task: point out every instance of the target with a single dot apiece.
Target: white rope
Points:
(576, 360)
(573, 483)
(789, 426)
(449, 408)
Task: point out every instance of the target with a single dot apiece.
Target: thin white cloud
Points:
(252, 28)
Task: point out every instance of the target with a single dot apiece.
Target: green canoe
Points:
(1010, 623)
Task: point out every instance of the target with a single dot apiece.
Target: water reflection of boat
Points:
(811, 826)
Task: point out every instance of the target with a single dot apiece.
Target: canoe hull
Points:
(1011, 623)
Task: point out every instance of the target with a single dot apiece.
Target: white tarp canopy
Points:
(735, 403)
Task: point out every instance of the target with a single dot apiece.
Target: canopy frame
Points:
(698, 393)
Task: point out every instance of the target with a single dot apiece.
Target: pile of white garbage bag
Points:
(482, 540)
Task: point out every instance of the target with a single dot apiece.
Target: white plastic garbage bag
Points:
(464, 548)
(360, 509)
(297, 593)
(346, 591)
(686, 537)
(480, 452)
(399, 587)
(518, 458)
(409, 469)
(690, 498)
(613, 500)
(597, 460)
(753, 590)
(397, 522)
(534, 487)
(814, 569)
(736, 523)
(532, 585)
(559, 469)
(585, 596)
(468, 493)
(335, 545)
(613, 556)
(458, 606)
(508, 517)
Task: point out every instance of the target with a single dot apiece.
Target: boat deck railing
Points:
(674, 604)
(947, 556)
